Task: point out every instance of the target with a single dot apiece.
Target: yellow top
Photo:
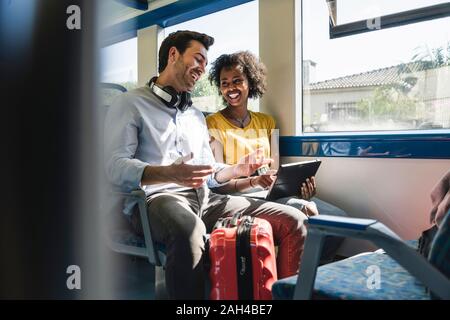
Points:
(237, 142)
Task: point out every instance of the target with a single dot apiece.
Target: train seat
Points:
(403, 273)
(118, 233)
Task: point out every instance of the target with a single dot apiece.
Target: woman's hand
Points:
(248, 164)
(310, 209)
(308, 189)
(264, 181)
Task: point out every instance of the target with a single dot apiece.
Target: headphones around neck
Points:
(170, 96)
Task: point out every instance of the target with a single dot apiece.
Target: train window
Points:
(395, 78)
(233, 29)
(120, 64)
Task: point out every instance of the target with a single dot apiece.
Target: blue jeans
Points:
(331, 243)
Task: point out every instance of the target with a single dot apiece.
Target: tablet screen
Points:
(291, 176)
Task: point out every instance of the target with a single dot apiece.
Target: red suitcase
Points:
(242, 256)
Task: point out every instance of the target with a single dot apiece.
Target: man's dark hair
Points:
(181, 40)
(249, 64)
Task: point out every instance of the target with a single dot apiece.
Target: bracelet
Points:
(303, 206)
(235, 185)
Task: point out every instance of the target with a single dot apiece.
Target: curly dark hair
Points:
(181, 40)
(251, 66)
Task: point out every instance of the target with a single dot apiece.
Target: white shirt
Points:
(141, 130)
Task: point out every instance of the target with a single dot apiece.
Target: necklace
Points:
(240, 121)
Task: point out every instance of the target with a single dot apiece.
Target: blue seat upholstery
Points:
(347, 280)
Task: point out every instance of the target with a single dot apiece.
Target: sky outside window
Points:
(367, 51)
(119, 62)
(233, 29)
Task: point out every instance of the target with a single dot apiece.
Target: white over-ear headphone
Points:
(170, 96)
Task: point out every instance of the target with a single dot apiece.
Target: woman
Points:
(236, 131)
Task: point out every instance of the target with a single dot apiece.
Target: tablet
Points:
(290, 177)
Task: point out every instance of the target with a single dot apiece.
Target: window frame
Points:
(166, 16)
(391, 20)
(398, 146)
(135, 4)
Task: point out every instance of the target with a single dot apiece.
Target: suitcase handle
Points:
(235, 219)
(219, 224)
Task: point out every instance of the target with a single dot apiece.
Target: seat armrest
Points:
(136, 194)
(341, 222)
(350, 227)
(140, 197)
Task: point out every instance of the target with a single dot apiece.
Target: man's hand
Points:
(248, 164)
(308, 189)
(193, 176)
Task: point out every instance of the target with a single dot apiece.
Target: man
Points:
(151, 135)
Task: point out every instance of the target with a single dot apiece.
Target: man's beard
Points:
(184, 77)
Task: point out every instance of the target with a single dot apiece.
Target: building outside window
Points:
(395, 78)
